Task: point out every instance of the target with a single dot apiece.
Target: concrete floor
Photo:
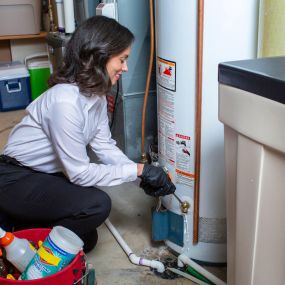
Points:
(131, 215)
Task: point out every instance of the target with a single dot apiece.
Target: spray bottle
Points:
(19, 251)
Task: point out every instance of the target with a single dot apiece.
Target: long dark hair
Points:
(92, 44)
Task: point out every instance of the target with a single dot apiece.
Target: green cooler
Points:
(38, 66)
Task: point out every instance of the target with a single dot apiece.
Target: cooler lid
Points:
(14, 69)
(38, 63)
(263, 76)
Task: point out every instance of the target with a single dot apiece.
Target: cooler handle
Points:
(13, 89)
(36, 55)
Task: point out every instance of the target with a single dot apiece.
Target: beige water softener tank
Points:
(251, 106)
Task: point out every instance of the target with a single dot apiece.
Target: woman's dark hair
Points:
(92, 44)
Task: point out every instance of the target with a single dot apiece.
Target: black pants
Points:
(34, 199)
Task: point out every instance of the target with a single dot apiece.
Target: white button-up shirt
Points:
(54, 134)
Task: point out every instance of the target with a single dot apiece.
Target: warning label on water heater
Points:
(166, 74)
(166, 124)
(184, 169)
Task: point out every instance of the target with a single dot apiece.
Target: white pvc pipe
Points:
(69, 19)
(183, 259)
(188, 276)
(133, 258)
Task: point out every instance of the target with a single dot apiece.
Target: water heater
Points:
(230, 31)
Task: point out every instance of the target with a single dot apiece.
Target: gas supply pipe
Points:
(198, 120)
(143, 154)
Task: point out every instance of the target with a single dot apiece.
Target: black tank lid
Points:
(263, 76)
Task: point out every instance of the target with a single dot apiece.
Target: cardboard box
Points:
(20, 17)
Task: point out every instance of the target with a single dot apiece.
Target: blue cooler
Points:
(15, 90)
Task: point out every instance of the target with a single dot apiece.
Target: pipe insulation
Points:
(132, 257)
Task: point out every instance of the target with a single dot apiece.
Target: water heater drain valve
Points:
(184, 205)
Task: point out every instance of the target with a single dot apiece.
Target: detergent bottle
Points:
(19, 251)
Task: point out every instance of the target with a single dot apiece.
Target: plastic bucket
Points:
(57, 251)
(39, 75)
(67, 276)
(38, 66)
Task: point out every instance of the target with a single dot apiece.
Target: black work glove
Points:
(155, 192)
(156, 182)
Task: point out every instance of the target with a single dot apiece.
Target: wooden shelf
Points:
(19, 37)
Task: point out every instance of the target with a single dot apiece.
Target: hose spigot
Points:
(184, 205)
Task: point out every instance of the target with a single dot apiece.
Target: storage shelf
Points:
(19, 37)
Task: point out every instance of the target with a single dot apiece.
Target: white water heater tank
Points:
(230, 32)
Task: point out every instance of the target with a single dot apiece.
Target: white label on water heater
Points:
(174, 148)
(166, 74)
(166, 105)
(184, 169)
(166, 124)
(166, 131)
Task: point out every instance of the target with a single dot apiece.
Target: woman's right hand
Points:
(155, 181)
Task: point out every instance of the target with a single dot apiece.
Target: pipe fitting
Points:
(184, 207)
(159, 266)
(143, 158)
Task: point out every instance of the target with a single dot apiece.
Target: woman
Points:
(46, 177)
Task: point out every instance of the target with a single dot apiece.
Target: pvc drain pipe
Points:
(183, 259)
(132, 257)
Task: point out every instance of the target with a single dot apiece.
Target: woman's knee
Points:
(91, 214)
(106, 203)
(100, 204)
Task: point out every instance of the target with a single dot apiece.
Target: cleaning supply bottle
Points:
(19, 251)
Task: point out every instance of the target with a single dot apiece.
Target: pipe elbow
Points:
(159, 266)
(182, 259)
(134, 259)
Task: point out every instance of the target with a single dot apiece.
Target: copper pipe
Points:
(52, 27)
(143, 154)
(198, 120)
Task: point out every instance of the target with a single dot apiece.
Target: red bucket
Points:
(67, 276)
